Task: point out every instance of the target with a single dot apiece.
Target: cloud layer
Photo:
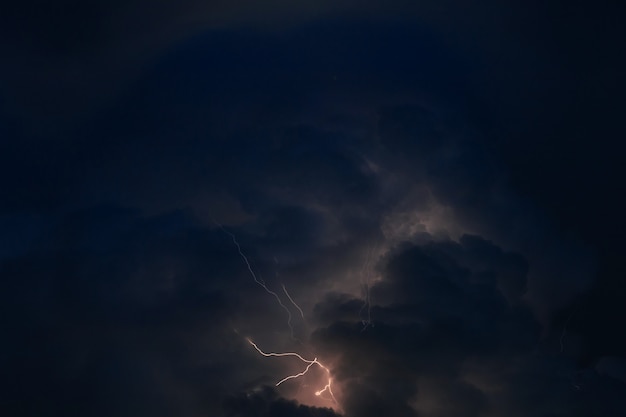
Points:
(125, 293)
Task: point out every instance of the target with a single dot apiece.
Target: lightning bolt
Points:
(309, 363)
(258, 280)
(293, 302)
(327, 388)
(261, 282)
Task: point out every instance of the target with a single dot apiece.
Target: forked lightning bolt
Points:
(327, 388)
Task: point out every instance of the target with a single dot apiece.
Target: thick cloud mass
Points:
(351, 174)
(447, 340)
(265, 402)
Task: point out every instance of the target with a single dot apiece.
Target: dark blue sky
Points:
(437, 186)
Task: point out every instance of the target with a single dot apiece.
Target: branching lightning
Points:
(327, 388)
(309, 363)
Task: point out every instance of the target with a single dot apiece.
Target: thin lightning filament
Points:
(258, 280)
(293, 302)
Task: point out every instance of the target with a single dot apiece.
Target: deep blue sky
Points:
(458, 166)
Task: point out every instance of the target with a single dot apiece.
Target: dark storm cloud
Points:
(66, 60)
(226, 117)
(451, 157)
(265, 402)
(105, 314)
(447, 341)
(124, 296)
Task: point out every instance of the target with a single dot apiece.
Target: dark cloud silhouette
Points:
(266, 402)
(446, 340)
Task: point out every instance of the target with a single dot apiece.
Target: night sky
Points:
(422, 199)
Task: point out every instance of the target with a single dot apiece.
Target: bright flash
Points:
(310, 363)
